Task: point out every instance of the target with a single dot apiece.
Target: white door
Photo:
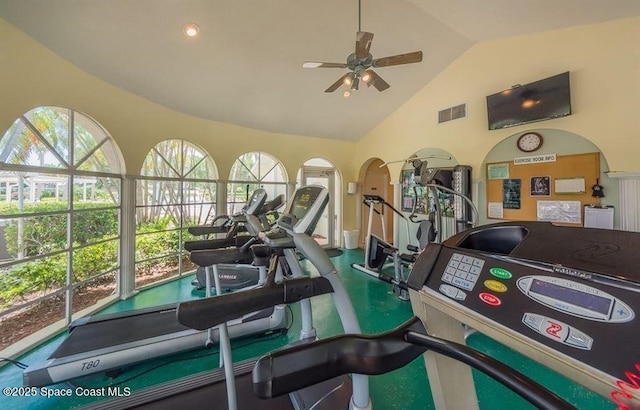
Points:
(325, 230)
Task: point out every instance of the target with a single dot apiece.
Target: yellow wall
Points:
(604, 61)
(31, 75)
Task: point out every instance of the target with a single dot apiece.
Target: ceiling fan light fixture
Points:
(361, 64)
(355, 84)
(348, 79)
(191, 30)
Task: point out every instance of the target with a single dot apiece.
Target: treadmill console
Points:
(575, 291)
(304, 210)
(255, 202)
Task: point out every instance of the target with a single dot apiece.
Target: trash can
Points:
(351, 239)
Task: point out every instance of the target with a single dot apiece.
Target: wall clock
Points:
(529, 142)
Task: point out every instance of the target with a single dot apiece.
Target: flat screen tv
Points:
(537, 101)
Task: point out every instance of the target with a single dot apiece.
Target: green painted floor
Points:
(377, 310)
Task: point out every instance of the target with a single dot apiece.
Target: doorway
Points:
(324, 174)
(377, 182)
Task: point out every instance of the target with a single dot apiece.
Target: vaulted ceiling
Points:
(245, 67)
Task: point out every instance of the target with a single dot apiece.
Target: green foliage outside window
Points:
(47, 233)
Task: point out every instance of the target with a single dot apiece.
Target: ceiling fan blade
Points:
(317, 64)
(337, 84)
(377, 81)
(406, 58)
(363, 44)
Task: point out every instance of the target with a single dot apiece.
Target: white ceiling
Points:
(246, 66)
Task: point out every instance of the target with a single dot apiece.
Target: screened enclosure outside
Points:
(254, 170)
(60, 210)
(176, 190)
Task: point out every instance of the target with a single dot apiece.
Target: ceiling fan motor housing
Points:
(353, 62)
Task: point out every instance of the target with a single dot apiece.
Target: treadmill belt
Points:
(214, 396)
(206, 390)
(98, 335)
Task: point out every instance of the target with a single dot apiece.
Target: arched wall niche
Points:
(435, 158)
(556, 141)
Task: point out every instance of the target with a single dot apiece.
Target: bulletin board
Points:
(519, 188)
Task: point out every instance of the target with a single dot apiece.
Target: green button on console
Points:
(501, 273)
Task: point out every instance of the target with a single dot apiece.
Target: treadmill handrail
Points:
(205, 313)
(294, 368)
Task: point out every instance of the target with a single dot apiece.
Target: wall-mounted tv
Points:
(537, 101)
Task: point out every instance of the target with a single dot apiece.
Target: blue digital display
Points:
(573, 296)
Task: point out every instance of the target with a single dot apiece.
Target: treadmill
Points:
(107, 342)
(567, 297)
(292, 232)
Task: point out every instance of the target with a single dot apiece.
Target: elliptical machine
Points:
(376, 248)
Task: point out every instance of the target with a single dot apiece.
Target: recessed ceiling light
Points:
(191, 30)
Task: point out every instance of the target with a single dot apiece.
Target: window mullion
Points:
(247, 168)
(271, 169)
(195, 166)
(90, 153)
(69, 280)
(166, 162)
(9, 147)
(181, 223)
(70, 221)
(42, 139)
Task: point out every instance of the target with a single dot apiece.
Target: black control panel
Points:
(591, 315)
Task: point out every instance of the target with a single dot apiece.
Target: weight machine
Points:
(455, 181)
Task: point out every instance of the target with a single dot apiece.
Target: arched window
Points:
(177, 189)
(60, 178)
(254, 170)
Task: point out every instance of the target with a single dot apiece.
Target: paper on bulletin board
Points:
(498, 171)
(511, 193)
(540, 186)
(495, 210)
(569, 185)
(560, 211)
(598, 217)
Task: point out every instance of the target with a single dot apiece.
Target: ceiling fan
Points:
(361, 64)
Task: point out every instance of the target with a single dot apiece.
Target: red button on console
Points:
(490, 299)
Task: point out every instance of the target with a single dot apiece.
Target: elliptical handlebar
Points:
(254, 226)
(205, 313)
(377, 199)
(287, 370)
(413, 218)
(524, 386)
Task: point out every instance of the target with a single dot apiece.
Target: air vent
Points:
(452, 113)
